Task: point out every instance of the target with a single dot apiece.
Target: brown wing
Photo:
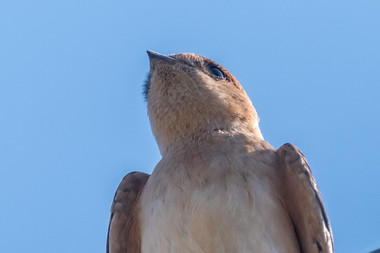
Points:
(304, 202)
(124, 228)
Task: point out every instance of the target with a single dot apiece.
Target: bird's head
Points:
(189, 95)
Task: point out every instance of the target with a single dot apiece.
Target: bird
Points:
(219, 186)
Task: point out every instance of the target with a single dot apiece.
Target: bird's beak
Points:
(156, 57)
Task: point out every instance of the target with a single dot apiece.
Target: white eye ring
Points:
(217, 72)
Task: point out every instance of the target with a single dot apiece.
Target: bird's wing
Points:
(304, 202)
(124, 228)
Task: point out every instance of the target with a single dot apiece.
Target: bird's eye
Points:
(217, 72)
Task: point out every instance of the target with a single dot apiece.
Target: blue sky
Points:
(73, 119)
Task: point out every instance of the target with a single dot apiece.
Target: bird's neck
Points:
(175, 140)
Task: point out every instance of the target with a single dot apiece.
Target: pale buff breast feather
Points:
(219, 186)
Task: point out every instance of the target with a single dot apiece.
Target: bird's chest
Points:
(225, 211)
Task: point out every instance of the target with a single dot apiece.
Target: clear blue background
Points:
(73, 120)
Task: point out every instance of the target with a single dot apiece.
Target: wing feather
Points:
(304, 201)
(124, 228)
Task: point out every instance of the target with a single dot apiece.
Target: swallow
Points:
(219, 187)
